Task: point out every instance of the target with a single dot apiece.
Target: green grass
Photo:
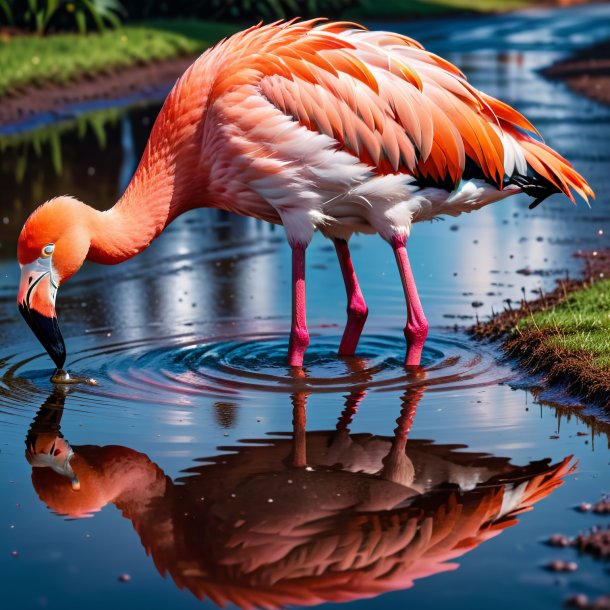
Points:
(27, 61)
(374, 10)
(581, 323)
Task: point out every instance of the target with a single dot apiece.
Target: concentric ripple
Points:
(176, 369)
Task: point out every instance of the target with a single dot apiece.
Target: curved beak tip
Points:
(47, 332)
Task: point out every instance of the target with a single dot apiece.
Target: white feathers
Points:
(514, 160)
(284, 172)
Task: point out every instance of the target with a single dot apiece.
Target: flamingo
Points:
(313, 125)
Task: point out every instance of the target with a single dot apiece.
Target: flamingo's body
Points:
(312, 126)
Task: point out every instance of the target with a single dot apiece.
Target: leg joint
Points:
(417, 331)
(299, 337)
(357, 308)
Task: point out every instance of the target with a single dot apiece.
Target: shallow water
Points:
(201, 457)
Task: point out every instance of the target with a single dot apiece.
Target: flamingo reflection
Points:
(301, 518)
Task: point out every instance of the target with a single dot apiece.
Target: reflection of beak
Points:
(36, 301)
(57, 457)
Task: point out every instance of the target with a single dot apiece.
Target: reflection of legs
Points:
(397, 466)
(357, 311)
(299, 434)
(416, 329)
(299, 337)
(360, 376)
(352, 402)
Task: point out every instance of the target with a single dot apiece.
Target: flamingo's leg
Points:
(357, 311)
(416, 329)
(299, 337)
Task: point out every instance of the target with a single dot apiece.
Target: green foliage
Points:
(42, 15)
(237, 10)
(401, 9)
(6, 11)
(247, 10)
(29, 60)
(582, 323)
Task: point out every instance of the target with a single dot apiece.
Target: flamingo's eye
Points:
(47, 251)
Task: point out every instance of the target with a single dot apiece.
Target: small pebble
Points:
(558, 565)
(14, 553)
(584, 507)
(577, 601)
(559, 540)
(124, 578)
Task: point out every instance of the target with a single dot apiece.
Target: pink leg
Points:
(416, 329)
(299, 337)
(357, 311)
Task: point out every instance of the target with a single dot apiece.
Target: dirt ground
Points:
(108, 86)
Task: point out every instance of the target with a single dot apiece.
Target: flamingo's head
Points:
(52, 247)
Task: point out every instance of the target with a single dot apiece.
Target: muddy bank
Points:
(146, 78)
(587, 72)
(533, 347)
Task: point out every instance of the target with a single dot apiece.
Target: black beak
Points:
(47, 332)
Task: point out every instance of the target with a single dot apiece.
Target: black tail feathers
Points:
(535, 186)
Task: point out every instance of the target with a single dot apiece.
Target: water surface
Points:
(202, 467)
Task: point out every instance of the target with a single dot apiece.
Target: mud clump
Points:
(596, 542)
(582, 601)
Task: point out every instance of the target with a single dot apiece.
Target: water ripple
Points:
(177, 369)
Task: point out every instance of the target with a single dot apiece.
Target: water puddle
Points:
(202, 471)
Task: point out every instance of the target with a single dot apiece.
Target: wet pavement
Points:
(195, 457)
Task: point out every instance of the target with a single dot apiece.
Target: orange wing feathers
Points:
(389, 102)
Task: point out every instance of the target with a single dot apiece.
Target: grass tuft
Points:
(29, 61)
(565, 334)
(580, 323)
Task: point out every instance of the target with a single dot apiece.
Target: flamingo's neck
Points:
(169, 180)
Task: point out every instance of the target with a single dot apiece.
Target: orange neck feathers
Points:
(169, 180)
